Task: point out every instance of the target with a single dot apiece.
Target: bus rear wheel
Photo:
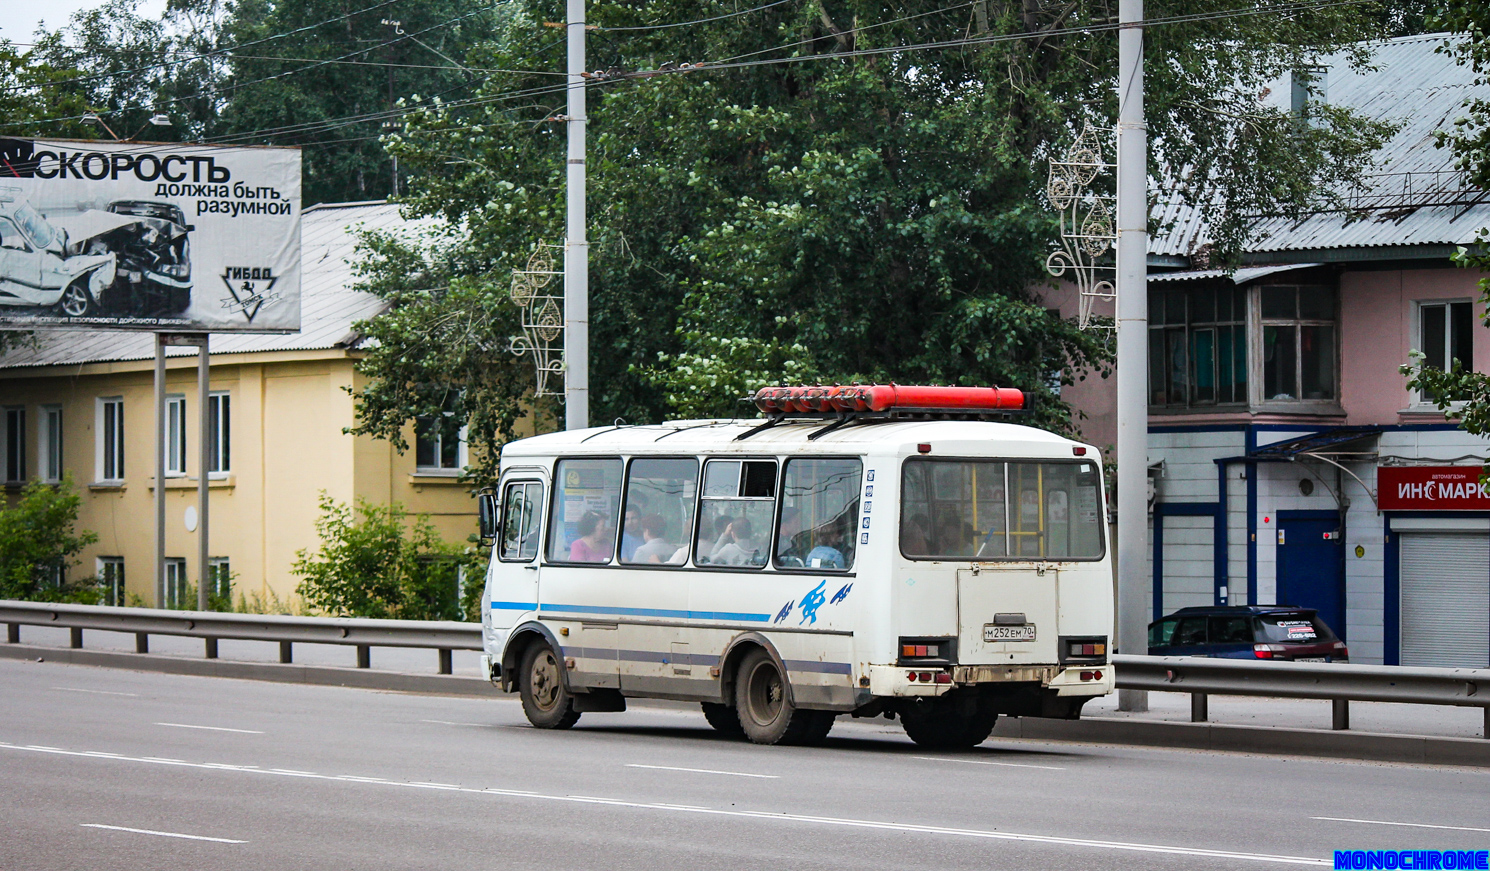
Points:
(724, 718)
(767, 714)
(547, 703)
(938, 728)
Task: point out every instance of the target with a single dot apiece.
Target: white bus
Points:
(865, 557)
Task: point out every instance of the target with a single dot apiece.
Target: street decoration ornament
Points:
(543, 319)
(1087, 231)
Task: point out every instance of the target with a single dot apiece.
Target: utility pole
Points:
(1132, 346)
(576, 248)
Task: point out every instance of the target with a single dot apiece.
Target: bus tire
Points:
(767, 714)
(547, 703)
(724, 718)
(822, 724)
(947, 730)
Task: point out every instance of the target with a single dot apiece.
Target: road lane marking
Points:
(764, 816)
(449, 723)
(704, 771)
(987, 762)
(161, 834)
(96, 692)
(1409, 825)
(211, 728)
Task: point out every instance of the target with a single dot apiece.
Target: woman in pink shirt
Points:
(592, 546)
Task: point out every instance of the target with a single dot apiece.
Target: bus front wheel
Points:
(767, 714)
(546, 701)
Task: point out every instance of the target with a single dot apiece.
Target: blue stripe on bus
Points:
(658, 612)
(514, 606)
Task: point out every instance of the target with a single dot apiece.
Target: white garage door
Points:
(1445, 599)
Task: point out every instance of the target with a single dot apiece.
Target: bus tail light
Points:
(925, 677)
(1267, 651)
(943, 677)
(1091, 675)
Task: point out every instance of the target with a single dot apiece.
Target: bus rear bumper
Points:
(1090, 680)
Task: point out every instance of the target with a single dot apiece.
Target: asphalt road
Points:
(110, 769)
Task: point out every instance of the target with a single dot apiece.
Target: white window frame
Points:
(174, 582)
(460, 452)
(1416, 402)
(175, 435)
(220, 433)
(49, 444)
(109, 445)
(16, 446)
(111, 583)
(216, 566)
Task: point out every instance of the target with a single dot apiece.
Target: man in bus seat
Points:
(593, 544)
(741, 549)
(656, 548)
(721, 538)
(631, 528)
(788, 549)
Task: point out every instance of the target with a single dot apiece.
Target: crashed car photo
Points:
(131, 259)
(43, 264)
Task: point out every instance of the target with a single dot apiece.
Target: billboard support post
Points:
(204, 430)
(160, 470)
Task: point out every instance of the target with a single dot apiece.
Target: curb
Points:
(1372, 747)
(318, 675)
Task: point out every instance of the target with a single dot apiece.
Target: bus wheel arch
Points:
(734, 655)
(516, 651)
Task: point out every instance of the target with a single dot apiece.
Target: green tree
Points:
(802, 204)
(377, 561)
(1463, 395)
(39, 544)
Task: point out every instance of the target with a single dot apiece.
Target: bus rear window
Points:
(996, 510)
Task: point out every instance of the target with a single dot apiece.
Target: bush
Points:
(378, 561)
(38, 545)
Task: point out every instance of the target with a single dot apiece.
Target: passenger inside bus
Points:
(594, 542)
(741, 549)
(656, 549)
(631, 529)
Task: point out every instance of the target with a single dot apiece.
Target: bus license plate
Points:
(992, 632)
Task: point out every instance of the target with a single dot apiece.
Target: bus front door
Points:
(512, 588)
(1006, 615)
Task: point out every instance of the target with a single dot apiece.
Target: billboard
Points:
(174, 237)
(1431, 488)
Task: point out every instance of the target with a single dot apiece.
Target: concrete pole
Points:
(204, 432)
(160, 470)
(1132, 346)
(576, 248)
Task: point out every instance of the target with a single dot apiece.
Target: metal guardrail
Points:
(364, 634)
(1201, 677)
(1340, 683)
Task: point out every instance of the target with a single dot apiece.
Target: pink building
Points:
(1289, 462)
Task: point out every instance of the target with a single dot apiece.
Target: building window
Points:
(111, 579)
(1197, 346)
(176, 435)
(439, 445)
(176, 587)
(14, 447)
(220, 579)
(1446, 336)
(49, 442)
(111, 439)
(219, 433)
(1298, 347)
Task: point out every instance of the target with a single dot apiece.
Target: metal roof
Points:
(1416, 197)
(1239, 276)
(328, 304)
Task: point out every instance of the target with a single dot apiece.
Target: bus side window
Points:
(582, 519)
(739, 506)
(521, 504)
(819, 514)
(659, 511)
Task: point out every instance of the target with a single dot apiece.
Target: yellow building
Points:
(81, 404)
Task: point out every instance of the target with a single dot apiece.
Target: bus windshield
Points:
(992, 510)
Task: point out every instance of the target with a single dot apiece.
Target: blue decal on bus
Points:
(513, 606)
(811, 602)
(785, 610)
(841, 594)
(656, 612)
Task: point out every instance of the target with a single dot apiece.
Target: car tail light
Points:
(1267, 651)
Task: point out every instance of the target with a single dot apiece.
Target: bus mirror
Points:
(486, 513)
